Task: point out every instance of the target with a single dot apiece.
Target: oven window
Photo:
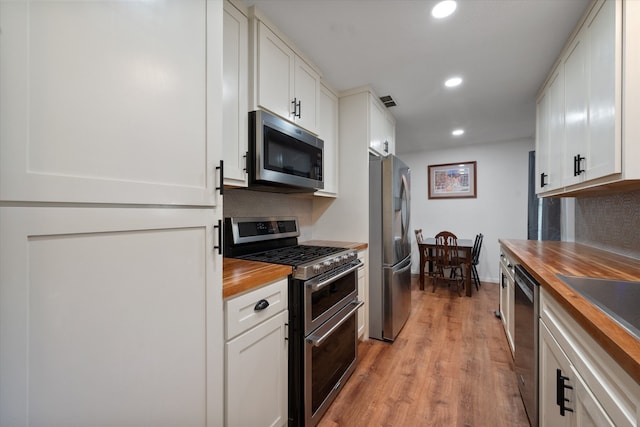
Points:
(291, 156)
(331, 360)
(325, 298)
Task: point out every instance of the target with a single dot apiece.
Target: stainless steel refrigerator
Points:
(389, 246)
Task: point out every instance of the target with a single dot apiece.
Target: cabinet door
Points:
(556, 130)
(584, 410)
(505, 309)
(604, 154)
(275, 73)
(328, 132)
(542, 144)
(588, 412)
(576, 108)
(552, 359)
(256, 379)
(235, 97)
(377, 124)
(389, 144)
(109, 316)
(307, 94)
(107, 102)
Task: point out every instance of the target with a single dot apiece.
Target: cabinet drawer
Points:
(241, 313)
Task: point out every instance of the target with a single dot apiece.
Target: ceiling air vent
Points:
(388, 101)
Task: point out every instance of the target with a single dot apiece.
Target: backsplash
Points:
(245, 203)
(610, 222)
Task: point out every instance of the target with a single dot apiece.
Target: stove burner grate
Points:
(293, 255)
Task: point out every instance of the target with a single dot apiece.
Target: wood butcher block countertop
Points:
(240, 276)
(544, 259)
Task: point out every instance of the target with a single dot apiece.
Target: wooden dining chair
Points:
(447, 259)
(475, 259)
(425, 257)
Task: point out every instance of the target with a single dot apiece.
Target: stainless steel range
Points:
(323, 306)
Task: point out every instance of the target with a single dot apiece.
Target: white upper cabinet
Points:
(284, 83)
(382, 127)
(235, 96)
(542, 143)
(593, 144)
(306, 95)
(275, 70)
(377, 125)
(390, 133)
(576, 108)
(603, 154)
(556, 129)
(598, 146)
(328, 132)
(109, 102)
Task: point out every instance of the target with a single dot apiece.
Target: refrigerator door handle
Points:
(405, 195)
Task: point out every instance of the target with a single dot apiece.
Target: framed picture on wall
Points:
(452, 180)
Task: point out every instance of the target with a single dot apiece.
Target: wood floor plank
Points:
(449, 366)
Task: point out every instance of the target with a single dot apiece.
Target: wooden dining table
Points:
(464, 248)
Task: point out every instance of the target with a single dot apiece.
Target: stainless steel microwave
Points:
(282, 156)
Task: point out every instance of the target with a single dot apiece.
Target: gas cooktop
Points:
(293, 255)
(274, 240)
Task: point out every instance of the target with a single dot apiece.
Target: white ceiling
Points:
(502, 48)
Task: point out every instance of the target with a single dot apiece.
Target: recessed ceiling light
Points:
(453, 82)
(457, 132)
(443, 9)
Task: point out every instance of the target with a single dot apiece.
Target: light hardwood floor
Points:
(449, 366)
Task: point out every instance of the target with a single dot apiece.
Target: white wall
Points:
(346, 218)
(498, 212)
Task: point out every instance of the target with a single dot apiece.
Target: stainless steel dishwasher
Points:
(526, 317)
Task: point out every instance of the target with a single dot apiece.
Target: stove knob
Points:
(317, 268)
(327, 264)
(345, 258)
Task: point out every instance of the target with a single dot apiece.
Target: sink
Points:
(617, 298)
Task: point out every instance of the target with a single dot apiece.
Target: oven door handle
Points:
(317, 341)
(315, 286)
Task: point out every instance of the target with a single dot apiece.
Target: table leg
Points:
(421, 269)
(467, 276)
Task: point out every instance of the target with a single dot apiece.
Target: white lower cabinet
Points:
(256, 355)
(109, 316)
(560, 382)
(580, 384)
(507, 297)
